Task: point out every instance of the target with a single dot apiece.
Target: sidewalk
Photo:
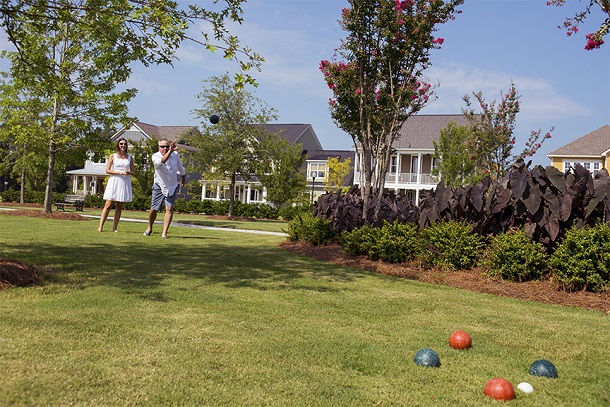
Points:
(188, 225)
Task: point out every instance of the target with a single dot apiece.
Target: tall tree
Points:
(280, 170)
(228, 149)
(594, 40)
(484, 147)
(71, 55)
(377, 76)
(455, 164)
(492, 134)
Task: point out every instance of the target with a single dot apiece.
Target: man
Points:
(167, 165)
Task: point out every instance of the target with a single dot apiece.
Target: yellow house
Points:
(591, 151)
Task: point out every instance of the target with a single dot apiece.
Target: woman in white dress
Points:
(118, 188)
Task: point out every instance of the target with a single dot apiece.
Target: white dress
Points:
(118, 188)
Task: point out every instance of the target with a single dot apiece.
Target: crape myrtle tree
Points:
(376, 77)
(70, 55)
(594, 40)
(229, 148)
(484, 147)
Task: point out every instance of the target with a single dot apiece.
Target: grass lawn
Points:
(216, 318)
(268, 225)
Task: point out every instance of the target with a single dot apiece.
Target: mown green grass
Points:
(214, 318)
(268, 225)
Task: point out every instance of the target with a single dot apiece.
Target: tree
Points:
(71, 55)
(484, 148)
(228, 148)
(594, 40)
(279, 169)
(151, 30)
(377, 76)
(455, 166)
(337, 171)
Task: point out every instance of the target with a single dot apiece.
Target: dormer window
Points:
(317, 170)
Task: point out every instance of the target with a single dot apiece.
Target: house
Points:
(89, 180)
(316, 167)
(590, 150)
(413, 159)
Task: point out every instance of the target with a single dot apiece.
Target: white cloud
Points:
(540, 99)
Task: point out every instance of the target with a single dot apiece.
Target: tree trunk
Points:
(22, 186)
(48, 193)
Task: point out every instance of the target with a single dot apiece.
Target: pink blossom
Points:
(358, 91)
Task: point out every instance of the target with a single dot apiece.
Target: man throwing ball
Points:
(168, 166)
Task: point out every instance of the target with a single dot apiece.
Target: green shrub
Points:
(289, 212)
(398, 242)
(449, 244)
(581, 261)
(515, 257)
(394, 243)
(363, 240)
(311, 229)
(94, 201)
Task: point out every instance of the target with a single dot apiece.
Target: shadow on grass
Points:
(142, 269)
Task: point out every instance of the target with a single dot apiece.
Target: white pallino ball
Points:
(525, 387)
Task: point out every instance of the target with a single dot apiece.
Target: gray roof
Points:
(171, 133)
(420, 131)
(323, 155)
(594, 144)
(292, 132)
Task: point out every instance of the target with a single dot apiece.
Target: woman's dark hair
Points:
(117, 148)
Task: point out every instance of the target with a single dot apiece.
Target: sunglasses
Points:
(163, 146)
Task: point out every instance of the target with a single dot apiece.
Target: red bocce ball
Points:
(499, 389)
(460, 340)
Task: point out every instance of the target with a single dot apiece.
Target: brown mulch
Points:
(15, 273)
(39, 213)
(546, 291)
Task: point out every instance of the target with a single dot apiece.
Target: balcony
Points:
(408, 178)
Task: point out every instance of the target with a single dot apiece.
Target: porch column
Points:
(248, 194)
(356, 176)
(74, 183)
(398, 157)
(218, 191)
(203, 188)
(419, 157)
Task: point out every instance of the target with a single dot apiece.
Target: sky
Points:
(489, 45)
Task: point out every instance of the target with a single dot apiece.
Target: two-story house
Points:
(413, 159)
(316, 166)
(590, 150)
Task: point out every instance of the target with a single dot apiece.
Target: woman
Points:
(118, 189)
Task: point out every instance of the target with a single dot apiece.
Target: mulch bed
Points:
(546, 291)
(15, 273)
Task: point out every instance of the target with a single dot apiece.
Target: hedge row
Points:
(581, 260)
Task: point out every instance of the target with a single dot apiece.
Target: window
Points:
(596, 168)
(394, 165)
(317, 170)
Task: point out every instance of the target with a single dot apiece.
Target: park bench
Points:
(77, 201)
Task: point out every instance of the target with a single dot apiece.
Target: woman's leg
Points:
(117, 215)
(104, 216)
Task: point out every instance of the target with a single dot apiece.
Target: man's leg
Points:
(152, 216)
(167, 220)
